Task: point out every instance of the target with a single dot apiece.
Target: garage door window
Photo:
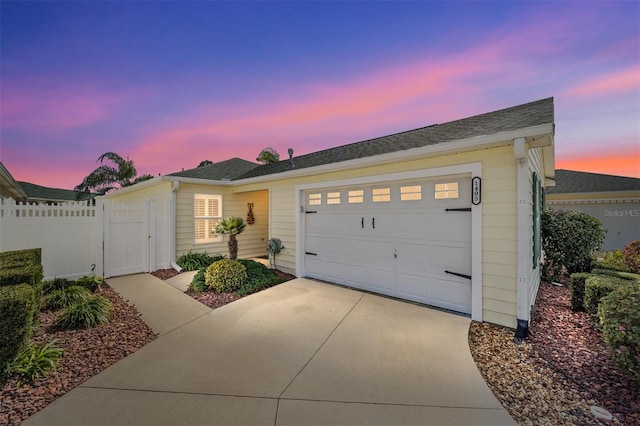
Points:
(207, 211)
(446, 190)
(411, 193)
(381, 195)
(315, 199)
(333, 198)
(356, 197)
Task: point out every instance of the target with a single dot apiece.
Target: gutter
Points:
(172, 223)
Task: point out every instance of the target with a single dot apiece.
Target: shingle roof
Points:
(38, 192)
(571, 182)
(228, 169)
(513, 118)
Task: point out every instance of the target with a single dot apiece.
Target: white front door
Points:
(407, 239)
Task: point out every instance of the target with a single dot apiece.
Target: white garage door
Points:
(410, 239)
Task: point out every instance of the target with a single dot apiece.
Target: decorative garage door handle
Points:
(373, 222)
(464, 209)
(362, 223)
(457, 274)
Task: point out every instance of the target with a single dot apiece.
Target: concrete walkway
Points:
(300, 353)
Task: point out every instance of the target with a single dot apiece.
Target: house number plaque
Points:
(476, 190)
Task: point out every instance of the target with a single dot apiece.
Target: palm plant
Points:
(109, 177)
(268, 156)
(231, 226)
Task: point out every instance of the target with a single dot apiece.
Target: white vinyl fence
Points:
(79, 238)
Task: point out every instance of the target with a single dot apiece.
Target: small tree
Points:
(268, 156)
(231, 226)
(569, 240)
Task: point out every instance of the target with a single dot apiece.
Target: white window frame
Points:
(210, 219)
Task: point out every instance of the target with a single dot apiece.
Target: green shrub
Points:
(195, 261)
(90, 282)
(618, 274)
(614, 261)
(86, 313)
(198, 283)
(577, 290)
(35, 361)
(620, 322)
(17, 258)
(19, 307)
(226, 275)
(258, 277)
(569, 239)
(48, 286)
(65, 297)
(631, 256)
(597, 287)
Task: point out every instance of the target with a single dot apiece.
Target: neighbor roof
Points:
(42, 193)
(224, 170)
(509, 119)
(571, 182)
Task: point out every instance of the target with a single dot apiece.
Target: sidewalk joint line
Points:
(322, 345)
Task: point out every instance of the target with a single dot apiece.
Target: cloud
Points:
(615, 82)
(36, 105)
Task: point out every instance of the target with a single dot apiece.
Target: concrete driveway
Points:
(300, 353)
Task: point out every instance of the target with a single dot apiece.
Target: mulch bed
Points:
(561, 371)
(86, 353)
(571, 344)
(210, 298)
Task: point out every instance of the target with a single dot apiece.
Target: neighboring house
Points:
(613, 200)
(44, 195)
(9, 188)
(447, 215)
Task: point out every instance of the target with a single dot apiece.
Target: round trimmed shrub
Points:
(226, 275)
(620, 322)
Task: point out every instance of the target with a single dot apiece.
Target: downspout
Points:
(522, 175)
(174, 188)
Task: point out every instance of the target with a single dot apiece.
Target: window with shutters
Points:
(207, 212)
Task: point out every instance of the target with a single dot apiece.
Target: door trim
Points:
(472, 169)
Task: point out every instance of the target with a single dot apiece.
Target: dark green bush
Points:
(19, 307)
(620, 322)
(49, 286)
(226, 275)
(198, 283)
(577, 290)
(65, 297)
(86, 313)
(91, 282)
(258, 277)
(631, 256)
(569, 239)
(35, 361)
(597, 287)
(17, 258)
(195, 261)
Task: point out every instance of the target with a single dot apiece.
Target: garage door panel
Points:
(397, 239)
(452, 258)
(452, 294)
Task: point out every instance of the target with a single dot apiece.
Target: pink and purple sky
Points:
(169, 84)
